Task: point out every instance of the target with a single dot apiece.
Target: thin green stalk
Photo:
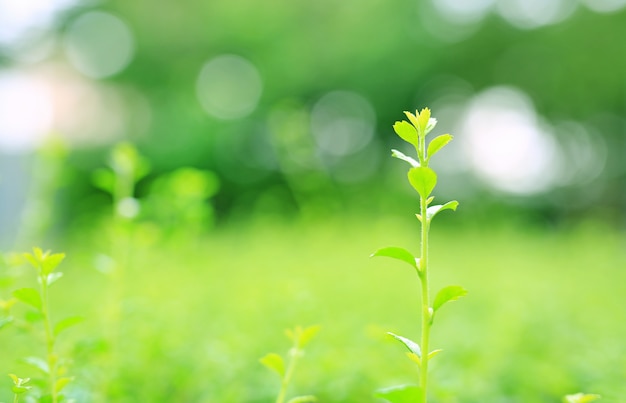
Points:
(426, 314)
(289, 372)
(15, 398)
(50, 356)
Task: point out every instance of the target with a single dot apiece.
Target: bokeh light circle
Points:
(26, 112)
(342, 123)
(229, 87)
(530, 14)
(99, 44)
(506, 144)
(605, 6)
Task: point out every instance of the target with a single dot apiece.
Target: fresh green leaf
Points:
(275, 363)
(28, 296)
(33, 316)
(406, 131)
(413, 357)
(53, 277)
(433, 210)
(38, 363)
(303, 399)
(438, 143)
(32, 260)
(67, 323)
(580, 398)
(423, 180)
(397, 154)
(401, 394)
(50, 263)
(434, 353)
(397, 253)
(449, 293)
(432, 122)
(62, 383)
(39, 254)
(413, 118)
(410, 344)
(424, 118)
(308, 334)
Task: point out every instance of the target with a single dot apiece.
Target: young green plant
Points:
(52, 366)
(20, 387)
(423, 179)
(300, 337)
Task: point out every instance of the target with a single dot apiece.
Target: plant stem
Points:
(426, 310)
(51, 359)
(293, 355)
(15, 398)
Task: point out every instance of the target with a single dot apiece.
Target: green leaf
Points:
(433, 210)
(397, 154)
(401, 394)
(434, 353)
(406, 131)
(38, 363)
(449, 293)
(580, 398)
(62, 383)
(50, 263)
(432, 122)
(437, 144)
(53, 277)
(28, 296)
(397, 253)
(303, 399)
(66, 323)
(275, 363)
(423, 179)
(308, 334)
(32, 260)
(39, 254)
(424, 119)
(414, 358)
(410, 344)
(33, 316)
(413, 118)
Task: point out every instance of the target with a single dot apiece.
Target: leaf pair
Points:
(44, 262)
(302, 336)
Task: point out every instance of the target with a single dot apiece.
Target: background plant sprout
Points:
(423, 179)
(52, 366)
(300, 337)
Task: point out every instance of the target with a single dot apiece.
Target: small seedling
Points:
(423, 179)
(300, 337)
(19, 387)
(52, 366)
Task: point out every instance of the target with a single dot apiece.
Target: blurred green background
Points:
(254, 179)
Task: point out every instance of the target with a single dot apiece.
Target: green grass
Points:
(543, 317)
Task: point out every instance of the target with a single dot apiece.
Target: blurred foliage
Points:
(398, 56)
(540, 320)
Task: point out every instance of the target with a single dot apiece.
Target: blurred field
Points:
(544, 314)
